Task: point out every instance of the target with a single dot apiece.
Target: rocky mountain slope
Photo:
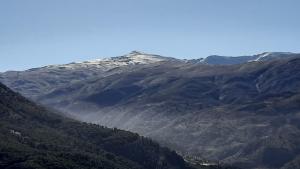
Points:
(245, 114)
(33, 137)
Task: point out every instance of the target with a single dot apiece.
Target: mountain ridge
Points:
(231, 60)
(137, 57)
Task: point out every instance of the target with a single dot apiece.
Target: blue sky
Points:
(40, 32)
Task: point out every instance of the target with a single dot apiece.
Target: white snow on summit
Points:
(132, 58)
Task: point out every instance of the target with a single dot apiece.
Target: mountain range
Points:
(243, 111)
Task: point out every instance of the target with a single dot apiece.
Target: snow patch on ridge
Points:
(271, 55)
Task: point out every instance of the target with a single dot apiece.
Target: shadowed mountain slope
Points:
(33, 137)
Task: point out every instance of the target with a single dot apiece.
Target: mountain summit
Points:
(136, 57)
(132, 58)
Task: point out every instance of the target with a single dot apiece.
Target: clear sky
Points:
(40, 32)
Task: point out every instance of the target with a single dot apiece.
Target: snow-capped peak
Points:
(134, 57)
